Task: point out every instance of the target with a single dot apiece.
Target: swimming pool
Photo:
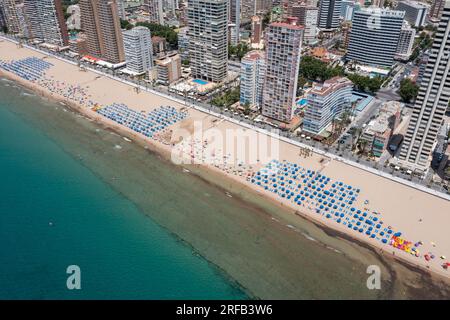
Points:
(199, 81)
(302, 102)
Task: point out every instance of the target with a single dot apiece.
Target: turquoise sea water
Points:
(54, 212)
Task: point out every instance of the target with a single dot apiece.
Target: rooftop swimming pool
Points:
(199, 81)
(302, 102)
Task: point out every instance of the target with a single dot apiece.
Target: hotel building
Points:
(121, 8)
(380, 130)
(405, 42)
(431, 102)
(234, 20)
(12, 13)
(437, 6)
(329, 11)
(283, 49)
(307, 17)
(208, 39)
(138, 50)
(183, 43)
(374, 36)
(252, 78)
(325, 102)
(154, 9)
(168, 69)
(415, 12)
(262, 6)
(45, 21)
(101, 24)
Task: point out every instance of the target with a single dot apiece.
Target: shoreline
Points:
(164, 151)
(154, 148)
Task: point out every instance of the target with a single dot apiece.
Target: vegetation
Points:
(389, 4)
(227, 99)
(125, 24)
(315, 70)
(422, 43)
(239, 50)
(162, 31)
(425, 40)
(365, 83)
(247, 109)
(430, 27)
(408, 90)
(266, 19)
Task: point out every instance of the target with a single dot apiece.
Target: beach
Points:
(421, 217)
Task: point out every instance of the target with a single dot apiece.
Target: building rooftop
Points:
(381, 12)
(254, 55)
(158, 39)
(331, 85)
(287, 25)
(415, 4)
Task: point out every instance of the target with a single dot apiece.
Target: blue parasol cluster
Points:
(147, 123)
(29, 68)
(335, 200)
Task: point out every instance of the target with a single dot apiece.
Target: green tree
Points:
(162, 31)
(316, 70)
(247, 108)
(240, 50)
(125, 24)
(228, 98)
(366, 84)
(266, 19)
(408, 90)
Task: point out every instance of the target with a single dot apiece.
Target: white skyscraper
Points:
(208, 39)
(405, 42)
(154, 8)
(307, 16)
(14, 19)
(252, 78)
(431, 102)
(329, 12)
(45, 21)
(121, 9)
(235, 19)
(138, 50)
(416, 13)
(283, 49)
(325, 102)
(374, 36)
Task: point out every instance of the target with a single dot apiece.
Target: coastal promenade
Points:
(270, 133)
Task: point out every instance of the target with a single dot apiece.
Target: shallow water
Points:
(140, 227)
(55, 212)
